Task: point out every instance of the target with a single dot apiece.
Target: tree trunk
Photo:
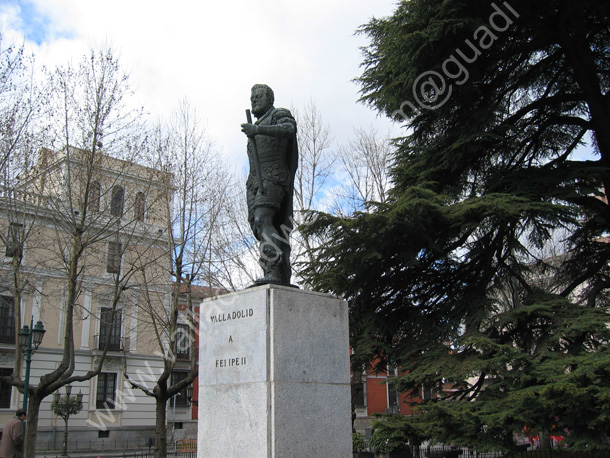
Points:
(545, 440)
(31, 427)
(160, 429)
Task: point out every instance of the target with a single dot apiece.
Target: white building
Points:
(124, 262)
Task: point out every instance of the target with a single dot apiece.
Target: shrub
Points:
(380, 444)
(393, 432)
(358, 443)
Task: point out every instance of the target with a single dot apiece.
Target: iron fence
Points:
(525, 452)
(140, 454)
(105, 444)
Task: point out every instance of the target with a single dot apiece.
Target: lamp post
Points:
(64, 407)
(30, 339)
(189, 396)
(174, 414)
(189, 393)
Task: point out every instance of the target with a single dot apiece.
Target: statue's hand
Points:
(249, 129)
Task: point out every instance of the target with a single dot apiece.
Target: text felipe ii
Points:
(232, 315)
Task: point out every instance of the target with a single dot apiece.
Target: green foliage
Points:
(395, 432)
(358, 443)
(487, 268)
(66, 406)
(380, 444)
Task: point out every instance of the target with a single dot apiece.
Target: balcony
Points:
(183, 355)
(7, 336)
(115, 343)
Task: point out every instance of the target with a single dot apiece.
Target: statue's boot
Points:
(271, 262)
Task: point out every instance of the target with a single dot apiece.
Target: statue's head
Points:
(262, 99)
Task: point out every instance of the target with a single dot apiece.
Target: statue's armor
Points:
(272, 152)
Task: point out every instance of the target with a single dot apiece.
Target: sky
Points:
(211, 53)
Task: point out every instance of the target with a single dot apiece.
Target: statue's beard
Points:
(260, 111)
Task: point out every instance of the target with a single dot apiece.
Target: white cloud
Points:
(212, 53)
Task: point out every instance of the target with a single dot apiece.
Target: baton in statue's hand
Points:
(257, 164)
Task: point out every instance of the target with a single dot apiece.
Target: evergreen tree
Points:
(445, 278)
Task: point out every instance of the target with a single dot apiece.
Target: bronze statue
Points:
(273, 155)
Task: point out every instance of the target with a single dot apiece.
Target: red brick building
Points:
(379, 395)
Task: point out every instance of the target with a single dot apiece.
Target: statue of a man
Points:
(273, 154)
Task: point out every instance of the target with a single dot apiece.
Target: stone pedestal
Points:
(274, 375)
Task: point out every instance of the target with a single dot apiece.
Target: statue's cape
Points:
(284, 216)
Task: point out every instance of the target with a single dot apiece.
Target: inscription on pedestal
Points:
(233, 344)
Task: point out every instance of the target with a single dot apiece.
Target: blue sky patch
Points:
(32, 23)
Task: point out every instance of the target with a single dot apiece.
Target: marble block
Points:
(274, 376)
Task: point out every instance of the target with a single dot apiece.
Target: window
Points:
(427, 393)
(116, 204)
(182, 347)
(94, 196)
(180, 398)
(106, 391)
(110, 329)
(113, 263)
(14, 240)
(103, 434)
(5, 389)
(7, 319)
(140, 206)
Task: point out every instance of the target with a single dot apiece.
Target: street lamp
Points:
(64, 407)
(189, 393)
(30, 339)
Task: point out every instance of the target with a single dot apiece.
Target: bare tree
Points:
(236, 249)
(65, 192)
(316, 158)
(316, 163)
(196, 185)
(363, 174)
(335, 180)
(21, 102)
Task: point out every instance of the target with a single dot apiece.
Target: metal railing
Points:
(115, 344)
(140, 454)
(126, 448)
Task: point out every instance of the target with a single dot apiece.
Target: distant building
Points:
(378, 394)
(198, 294)
(127, 214)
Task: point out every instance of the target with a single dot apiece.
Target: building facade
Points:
(377, 394)
(111, 216)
